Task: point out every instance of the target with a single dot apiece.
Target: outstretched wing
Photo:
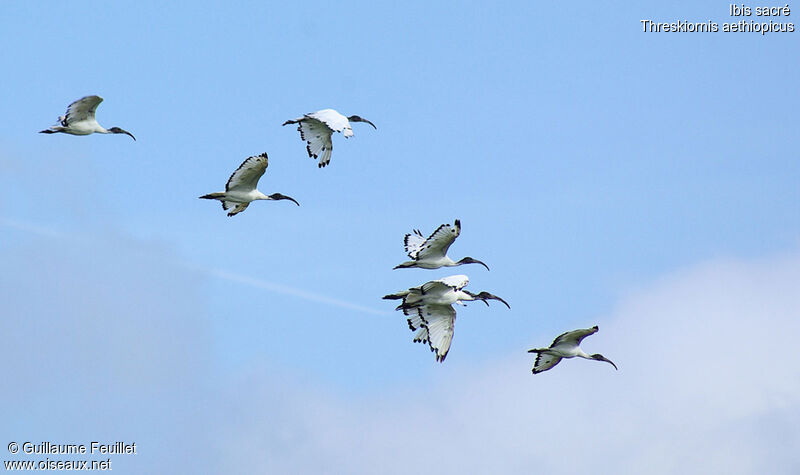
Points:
(80, 110)
(334, 120)
(246, 177)
(317, 136)
(453, 282)
(416, 296)
(413, 243)
(545, 361)
(575, 336)
(439, 242)
(439, 321)
(238, 209)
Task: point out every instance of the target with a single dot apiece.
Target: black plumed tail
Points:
(212, 196)
(392, 297)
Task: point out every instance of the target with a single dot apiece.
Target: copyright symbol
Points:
(13, 447)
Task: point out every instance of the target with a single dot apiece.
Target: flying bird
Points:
(430, 311)
(431, 253)
(316, 129)
(565, 346)
(79, 120)
(445, 291)
(241, 187)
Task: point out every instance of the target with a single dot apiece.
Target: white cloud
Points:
(708, 383)
(108, 339)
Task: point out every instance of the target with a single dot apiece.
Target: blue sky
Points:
(604, 174)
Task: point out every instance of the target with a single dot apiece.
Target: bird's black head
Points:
(278, 196)
(484, 296)
(469, 260)
(355, 118)
(117, 130)
(599, 357)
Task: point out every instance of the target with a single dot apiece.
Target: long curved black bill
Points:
(278, 196)
(600, 357)
(119, 130)
(486, 295)
(612, 363)
(504, 302)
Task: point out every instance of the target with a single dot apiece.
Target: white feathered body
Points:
(445, 291)
(316, 129)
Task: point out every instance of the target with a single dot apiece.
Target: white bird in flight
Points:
(565, 345)
(430, 311)
(79, 120)
(241, 187)
(316, 129)
(431, 253)
(445, 291)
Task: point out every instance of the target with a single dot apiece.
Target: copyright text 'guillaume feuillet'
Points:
(55, 456)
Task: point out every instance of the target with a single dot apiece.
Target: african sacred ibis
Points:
(565, 345)
(431, 253)
(430, 311)
(316, 129)
(79, 120)
(241, 187)
(445, 291)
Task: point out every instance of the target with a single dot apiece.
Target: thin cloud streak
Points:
(284, 289)
(32, 228)
(48, 232)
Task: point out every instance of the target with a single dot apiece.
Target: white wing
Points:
(415, 321)
(317, 136)
(246, 177)
(574, 337)
(80, 110)
(413, 242)
(415, 296)
(439, 242)
(334, 120)
(238, 209)
(544, 362)
(453, 282)
(440, 322)
(421, 336)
